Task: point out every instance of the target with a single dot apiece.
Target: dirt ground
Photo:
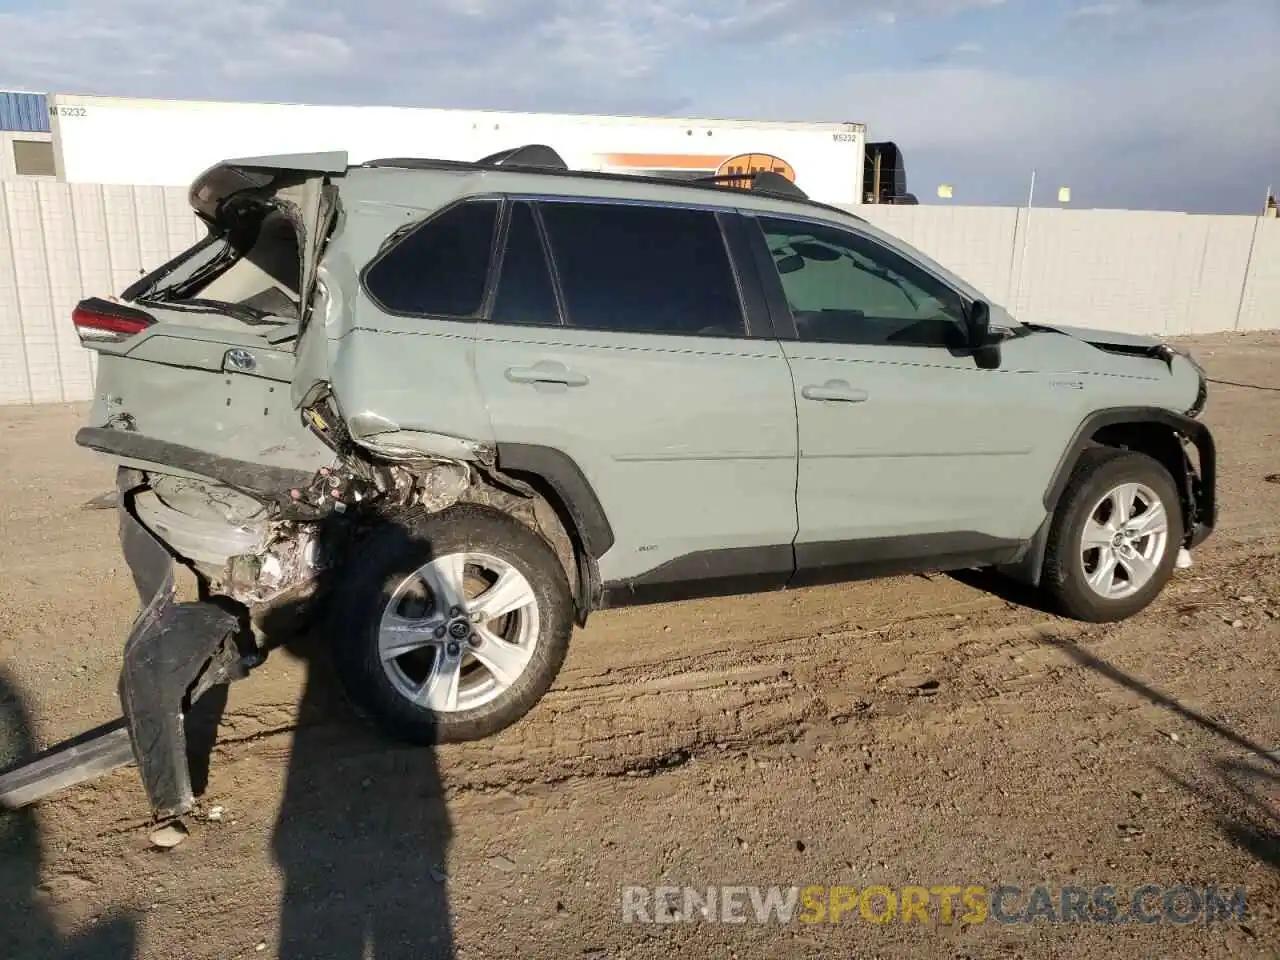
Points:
(915, 731)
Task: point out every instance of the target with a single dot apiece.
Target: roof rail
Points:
(768, 182)
(540, 159)
(530, 155)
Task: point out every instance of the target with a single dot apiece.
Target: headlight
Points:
(1186, 354)
(1202, 394)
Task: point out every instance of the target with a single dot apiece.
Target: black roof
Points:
(543, 160)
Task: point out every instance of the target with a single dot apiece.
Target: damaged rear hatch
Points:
(203, 362)
(202, 365)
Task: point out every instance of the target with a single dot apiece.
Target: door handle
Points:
(834, 390)
(546, 371)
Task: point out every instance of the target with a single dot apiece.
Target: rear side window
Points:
(641, 269)
(440, 268)
(525, 292)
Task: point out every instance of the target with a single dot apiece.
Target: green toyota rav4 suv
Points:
(460, 406)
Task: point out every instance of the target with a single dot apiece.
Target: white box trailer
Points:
(169, 142)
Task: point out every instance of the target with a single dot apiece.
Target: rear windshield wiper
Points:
(240, 312)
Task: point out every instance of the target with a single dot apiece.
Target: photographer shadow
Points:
(28, 928)
(363, 832)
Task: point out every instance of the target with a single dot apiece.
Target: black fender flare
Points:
(588, 523)
(1200, 504)
(1193, 430)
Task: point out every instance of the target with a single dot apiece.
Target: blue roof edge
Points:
(24, 112)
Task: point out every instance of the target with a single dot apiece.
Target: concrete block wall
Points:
(61, 242)
(978, 243)
(1146, 272)
(1160, 273)
(1260, 299)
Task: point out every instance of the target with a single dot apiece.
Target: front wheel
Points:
(1115, 537)
(450, 627)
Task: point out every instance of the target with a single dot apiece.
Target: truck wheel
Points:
(1115, 537)
(450, 627)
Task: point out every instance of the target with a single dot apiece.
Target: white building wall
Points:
(1160, 273)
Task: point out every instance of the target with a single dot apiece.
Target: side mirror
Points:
(978, 324)
(790, 264)
(985, 347)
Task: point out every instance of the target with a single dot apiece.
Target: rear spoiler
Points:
(230, 177)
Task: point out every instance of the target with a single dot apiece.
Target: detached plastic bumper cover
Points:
(1201, 490)
(169, 645)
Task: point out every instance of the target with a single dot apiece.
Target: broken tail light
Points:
(101, 321)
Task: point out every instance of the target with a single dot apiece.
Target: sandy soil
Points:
(915, 731)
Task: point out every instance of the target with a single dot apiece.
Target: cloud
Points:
(1095, 11)
(1186, 121)
(765, 19)
(1181, 133)
(1127, 20)
(549, 54)
(960, 51)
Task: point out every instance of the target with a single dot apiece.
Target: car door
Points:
(914, 452)
(617, 338)
(401, 342)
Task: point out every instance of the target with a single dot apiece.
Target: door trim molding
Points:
(749, 570)
(843, 561)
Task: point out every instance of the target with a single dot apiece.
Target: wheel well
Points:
(547, 513)
(1163, 444)
(1156, 440)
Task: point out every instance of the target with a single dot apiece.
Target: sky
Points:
(1145, 104)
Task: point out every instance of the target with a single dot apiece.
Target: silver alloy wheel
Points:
(458, 632)
(1124, 540)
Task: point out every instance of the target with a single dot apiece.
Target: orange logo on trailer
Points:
(746, 163)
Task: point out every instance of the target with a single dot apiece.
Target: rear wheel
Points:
(1115, 537)
(451, 627)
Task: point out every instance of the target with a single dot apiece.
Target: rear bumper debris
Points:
(175, 653)
(170, 649)
(66, 764)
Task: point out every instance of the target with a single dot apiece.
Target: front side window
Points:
(440, 268)
(845, 288)
(641, 269)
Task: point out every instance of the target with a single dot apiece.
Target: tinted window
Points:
(643, 269)
(525, 293)
(845, 288)
(440, 268)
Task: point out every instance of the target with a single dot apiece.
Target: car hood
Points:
(1106, 339)
(1114, 342)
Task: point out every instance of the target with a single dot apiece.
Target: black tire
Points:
(1100, 470)
(384, 559)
